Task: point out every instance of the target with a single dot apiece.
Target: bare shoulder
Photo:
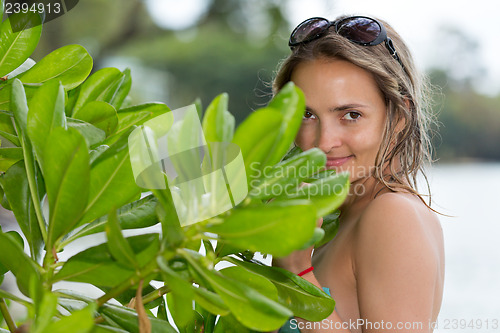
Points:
(399, 222)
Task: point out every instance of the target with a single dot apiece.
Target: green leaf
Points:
(19, 107)
(81, 321)
(292, 222)
(46, 112)
(97, 266)
(16, 47)
(117, 244)
(5, 96)
(22, 266)
(112, 182)
(67, 180)
(326, 194)
(15, 185)
(255, 281)
(250, 307)
(218, 122)
(117, 93)
(137, 115)
(138, 214)
(302, 297)
(92, 134)
(210, 301)
(287, 175)
(291, 103)
(100, 86)
(100, 114)
(330, 226)
(256, 137)
(70, 64)
(128, 319)
(9, 157)
(229, 323)
(181, 295)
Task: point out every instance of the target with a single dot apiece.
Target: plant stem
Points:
(155, 294)
(30, 172)
(6, 315)
(147, 270)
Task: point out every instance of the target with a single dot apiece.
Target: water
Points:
(470, 193)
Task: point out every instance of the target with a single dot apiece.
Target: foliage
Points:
(66, 173)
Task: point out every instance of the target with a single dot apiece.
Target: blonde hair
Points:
(405, 151)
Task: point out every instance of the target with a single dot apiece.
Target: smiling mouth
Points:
(337, 161)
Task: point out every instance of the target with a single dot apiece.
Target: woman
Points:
(365, 108)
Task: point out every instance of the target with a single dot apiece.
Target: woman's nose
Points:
(328, 138)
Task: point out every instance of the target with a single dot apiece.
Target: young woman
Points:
(366, 109)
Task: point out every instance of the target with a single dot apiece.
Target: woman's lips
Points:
(337, 161)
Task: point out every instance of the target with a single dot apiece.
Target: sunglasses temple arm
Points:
(392, 50)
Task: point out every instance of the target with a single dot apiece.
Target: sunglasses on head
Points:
(361, 30)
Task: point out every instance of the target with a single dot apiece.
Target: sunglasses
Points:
(361, 30)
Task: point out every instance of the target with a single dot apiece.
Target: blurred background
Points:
(181, 50)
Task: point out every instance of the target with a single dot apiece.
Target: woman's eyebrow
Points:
(339, 108)
(346, 107)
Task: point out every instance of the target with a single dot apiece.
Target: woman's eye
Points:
(352, 115)
(309, 115)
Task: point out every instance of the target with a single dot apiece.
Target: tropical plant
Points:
(66, 173)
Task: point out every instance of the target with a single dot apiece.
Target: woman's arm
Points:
(397, 265)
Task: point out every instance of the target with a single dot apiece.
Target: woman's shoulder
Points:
(397, 219)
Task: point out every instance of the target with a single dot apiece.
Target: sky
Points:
(418, 22)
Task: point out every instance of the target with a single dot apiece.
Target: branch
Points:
(6, 315)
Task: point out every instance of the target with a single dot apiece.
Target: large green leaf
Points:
(287, 175)
(112, 182)
(97, 266)
(19, 107)
(218, 122)
(46, 112)
(15, 260)
(255, 281)
(70, 65)
(100, 86)
(256, 137)
(138, 214)
(292, 222)
(16, 46)
(81, 321)
(92, 134)
(326, 193)
(210, 301)
(117, 93)
(67, 173)
(117, 244)
(181, 295)
(250, 307)
(302, 297)
(100, 114)
(128, 319)
(290, 102)
(5, 95)
(137, 115)
(15, 185)
(9, 156)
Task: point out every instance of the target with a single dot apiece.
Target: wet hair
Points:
(406, 149)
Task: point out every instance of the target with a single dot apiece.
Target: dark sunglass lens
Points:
(359, 29)
(309, 30)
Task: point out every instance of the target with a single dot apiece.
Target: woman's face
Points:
(345, 114)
